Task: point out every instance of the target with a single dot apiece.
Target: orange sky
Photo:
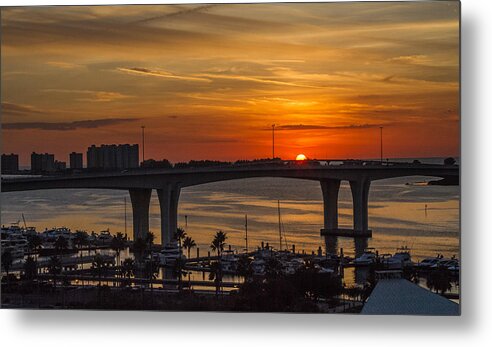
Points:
(208, 81)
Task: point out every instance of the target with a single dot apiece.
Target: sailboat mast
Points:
(246, 230)
(279, 225)
(25, 225)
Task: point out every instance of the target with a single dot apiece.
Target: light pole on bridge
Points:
(381, 143)
(143, 143)
(273, 141)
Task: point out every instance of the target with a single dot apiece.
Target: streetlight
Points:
(381, 140)
(273, 141)
(143, 143)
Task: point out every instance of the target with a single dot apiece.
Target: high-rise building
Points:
(76, 160)
(10, 163)
(110, 157)
(42, 162)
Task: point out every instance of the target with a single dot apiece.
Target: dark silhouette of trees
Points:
(30, 268)
(244, 267)
(55, 268)
(61, 245)
(439, 280)
(157, 164)
(139, 248)
(216, 275)
(218, 243)
(99, 267)
(34, 242)
(188, 244)
(118, 243)
(179, 271)
(7, 260)
(127, 271)
(179, 236)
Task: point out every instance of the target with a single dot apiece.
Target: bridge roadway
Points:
(169, 182)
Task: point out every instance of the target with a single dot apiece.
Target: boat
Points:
(427, 262)
(51, 235)
(170, 253)
(450, 264)
(17, 246)
(104, 237)
(399, 260)
(228, 261)
(367, 258)
(258, 266)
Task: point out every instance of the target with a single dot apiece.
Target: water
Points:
(397, 214)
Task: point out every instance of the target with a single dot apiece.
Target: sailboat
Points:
(281, 230)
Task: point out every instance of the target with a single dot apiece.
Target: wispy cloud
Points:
(64, 65)
(161, 74)
(178, 13)
(63, 126)
(94, 95)
(255, 79)
(323, 127)
(11, 109)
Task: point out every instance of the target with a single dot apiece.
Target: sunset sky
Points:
(208, 81)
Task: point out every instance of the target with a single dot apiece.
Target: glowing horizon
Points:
(207, 81)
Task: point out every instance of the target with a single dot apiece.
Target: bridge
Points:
(169, 182)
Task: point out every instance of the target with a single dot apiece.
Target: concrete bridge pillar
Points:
(330, 189)
(140, 199)
(360, 197)
(168, 201)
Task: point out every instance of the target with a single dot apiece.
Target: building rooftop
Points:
(401, 297)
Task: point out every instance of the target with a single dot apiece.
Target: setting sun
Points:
(301, 157)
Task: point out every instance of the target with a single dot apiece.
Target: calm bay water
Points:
(397, 213)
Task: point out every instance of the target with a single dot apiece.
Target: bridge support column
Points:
(330, 189)
(360, 198)
(140, 199)
(168, 201)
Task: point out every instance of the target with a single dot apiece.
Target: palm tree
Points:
(55, 268)
(128, 269)
(99, 267)
(30, 268)
(81, 239)
(179, 235)
(61, 244)
(34, 242)
(7, 260)
(151, 270)
(245, 268)
(218, 243)
(179, 271)
(216, 275)
(439, 280)
(118, 243)
(188, 244)
(149, 240)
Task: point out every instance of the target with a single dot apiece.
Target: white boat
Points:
(13, 240)
(51, 235)
(258, 266)
(169, 254)
(399, 260)
(228, 261)
(428, 262)
(367, 258)
(104, 236)
(450, 264)
(17, 247)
